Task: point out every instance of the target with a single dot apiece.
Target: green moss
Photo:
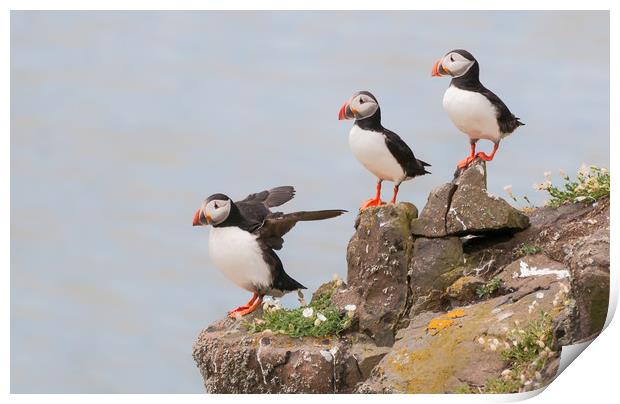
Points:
(292, 322)
(463, 389)
(489, 289)
(501, 386)
(599, 306)
(528, 249)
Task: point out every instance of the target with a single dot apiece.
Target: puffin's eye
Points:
(361, 100)
(215, 205)
(451, 58)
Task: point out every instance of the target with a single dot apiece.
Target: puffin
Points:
(244, 236)
(474, 110)
(380, 150)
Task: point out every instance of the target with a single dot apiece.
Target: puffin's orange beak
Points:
(435, 72)
(342, 111)
(345, 112)
(197, 219)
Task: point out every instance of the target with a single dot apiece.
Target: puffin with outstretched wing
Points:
(243, 239)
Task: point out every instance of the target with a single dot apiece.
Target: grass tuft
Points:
(488, 289)
(527, 355)
(304, 321)
(592, 184)
(528, 249)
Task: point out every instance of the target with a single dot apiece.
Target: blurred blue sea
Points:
(122, 122)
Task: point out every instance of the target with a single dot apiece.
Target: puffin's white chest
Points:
(370, 149)
(472, 113)
(238, 256)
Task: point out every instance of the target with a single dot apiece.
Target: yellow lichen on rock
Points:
(444, 321)
(438, 324)
(455, 313)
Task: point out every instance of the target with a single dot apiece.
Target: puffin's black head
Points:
(455, 63)
(361, 105)
(214, 210)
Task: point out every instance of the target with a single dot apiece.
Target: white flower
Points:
(350, 307)
(320, 316)
(506, 372)
(543, 186)
(547, 174)
(508, 189)
(580, 198)
(481, 341)
(584, 170)
(308, 312)
(317, 322)
(563, 173)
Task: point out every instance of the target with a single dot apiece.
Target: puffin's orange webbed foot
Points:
(485, 157)
(247, 308)
(372, 202)
(466, 161)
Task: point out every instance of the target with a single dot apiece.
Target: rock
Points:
(531, 274)
(233, 361)
(436, 264)
(441, 362)
(432, 220)
(590, 282)
(578, 236)
(378, 257)
(463, 290)
(473, 211)
(464, 207)
(418, 322)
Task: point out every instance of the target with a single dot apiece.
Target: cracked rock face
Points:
(465, 351)
(233, 361)
(464, 207)
(578, 236)
(378, 258)
(436, 264)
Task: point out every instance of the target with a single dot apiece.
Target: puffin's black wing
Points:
(403, 154)
(506, 121)
(255, 207)
(278, 224)
(270, 238)
(272, 197)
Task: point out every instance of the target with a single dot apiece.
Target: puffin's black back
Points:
(470, 81)
(397, 146)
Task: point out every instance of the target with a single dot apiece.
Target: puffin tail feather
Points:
(304, 216)
(423, 163)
